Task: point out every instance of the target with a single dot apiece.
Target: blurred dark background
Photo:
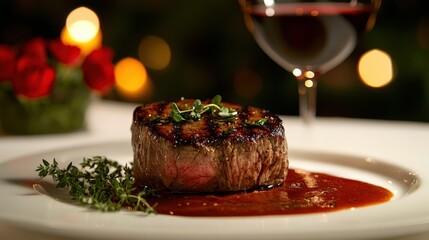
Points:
(213, 53)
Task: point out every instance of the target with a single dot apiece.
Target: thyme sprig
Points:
(198, 108)
(101, 184)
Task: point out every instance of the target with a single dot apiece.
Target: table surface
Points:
(107, 121)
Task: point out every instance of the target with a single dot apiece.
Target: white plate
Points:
(408, 212)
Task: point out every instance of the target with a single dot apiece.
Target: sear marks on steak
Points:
(209, 154)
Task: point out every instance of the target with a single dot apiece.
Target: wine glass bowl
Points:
(308, 38)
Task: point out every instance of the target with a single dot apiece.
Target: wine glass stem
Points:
(307, 89)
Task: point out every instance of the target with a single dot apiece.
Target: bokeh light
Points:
(309, 83)
(297, 72)
(86, 47)
(83, 30)
(82, 24)
(269, 3)
(131, 78)
(154, 52)
(310, 74)
(375, 68)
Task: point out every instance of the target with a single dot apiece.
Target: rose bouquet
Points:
(45, 85)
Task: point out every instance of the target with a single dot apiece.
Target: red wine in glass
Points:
(308, 38)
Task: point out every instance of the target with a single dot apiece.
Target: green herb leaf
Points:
(217, 100)
(177, 117)
(175, 108)
(258, 123)
(197, 106)
(46, 163)
(226, 112)
(176, 113)
(261, 122)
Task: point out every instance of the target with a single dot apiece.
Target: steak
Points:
(209, 153)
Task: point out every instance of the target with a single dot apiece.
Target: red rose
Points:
(98, 70)
(66, 54)
(36, 48)
(7, 62)
(34, 78)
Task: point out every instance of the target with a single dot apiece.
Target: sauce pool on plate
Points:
(302, 192)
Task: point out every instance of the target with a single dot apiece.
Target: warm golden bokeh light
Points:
(86, 47)
(154, 52)
(82, 24)
(309, 83)
(375, 68)
(310, 74)
(131, 78)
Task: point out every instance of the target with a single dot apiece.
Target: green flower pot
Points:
(62, 111)
(44, 116)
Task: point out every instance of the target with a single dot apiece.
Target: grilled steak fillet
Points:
(210, 154)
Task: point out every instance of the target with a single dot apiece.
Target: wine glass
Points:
(308, 38)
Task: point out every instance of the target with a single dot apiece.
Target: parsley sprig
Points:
(101, 184)
(198, 108)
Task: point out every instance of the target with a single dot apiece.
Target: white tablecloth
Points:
(109, 121)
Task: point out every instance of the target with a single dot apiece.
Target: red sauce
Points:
(302, 192)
